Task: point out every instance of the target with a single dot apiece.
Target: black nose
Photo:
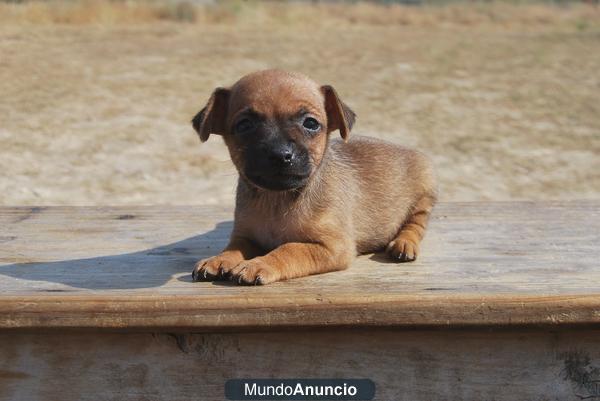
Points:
(282, 154)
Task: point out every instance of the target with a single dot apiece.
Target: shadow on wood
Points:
(144, 269)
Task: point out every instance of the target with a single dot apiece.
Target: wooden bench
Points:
(97, 303)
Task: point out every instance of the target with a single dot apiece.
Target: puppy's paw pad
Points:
(211, 269)
(403, 250)
(253, 272)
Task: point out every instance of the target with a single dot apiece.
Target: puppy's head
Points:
(276, 126)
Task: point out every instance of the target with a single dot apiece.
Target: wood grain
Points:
(482, 264)
(405, 365)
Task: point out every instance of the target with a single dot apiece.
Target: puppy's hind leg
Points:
(405, 247)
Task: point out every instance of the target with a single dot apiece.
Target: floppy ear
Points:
(211, 119)
(339, 116)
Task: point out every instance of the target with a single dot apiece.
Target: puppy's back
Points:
(390, 179)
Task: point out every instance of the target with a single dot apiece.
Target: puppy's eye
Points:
(244, 126)
(311, 124)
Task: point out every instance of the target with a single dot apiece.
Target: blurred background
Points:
(96, 96)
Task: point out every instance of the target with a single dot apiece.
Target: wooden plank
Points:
(512, 263)
(405, 365)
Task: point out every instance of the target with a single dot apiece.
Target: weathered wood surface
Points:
(405, 365)
(489, 264)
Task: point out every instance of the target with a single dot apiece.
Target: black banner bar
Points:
(299, 389)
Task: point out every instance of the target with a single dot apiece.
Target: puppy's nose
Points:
(282, 154)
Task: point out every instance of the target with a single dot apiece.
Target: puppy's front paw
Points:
(214, 268)
(403, 250)
(254, 272)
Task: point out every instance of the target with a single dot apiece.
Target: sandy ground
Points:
(97, 114)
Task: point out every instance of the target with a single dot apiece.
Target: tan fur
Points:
(364, 194)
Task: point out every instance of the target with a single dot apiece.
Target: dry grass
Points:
(97, 96)
(296, 14)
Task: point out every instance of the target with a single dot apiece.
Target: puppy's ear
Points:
(211, 119)
(339, 116)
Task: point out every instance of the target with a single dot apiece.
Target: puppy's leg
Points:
(405, 247)
(238, 250)
(291, 260)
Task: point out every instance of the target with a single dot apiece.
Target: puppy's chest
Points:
(270, 230)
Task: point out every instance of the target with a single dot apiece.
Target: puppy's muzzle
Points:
(282, 156)
(278, 166)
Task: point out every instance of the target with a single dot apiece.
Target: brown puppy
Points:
(306, 203)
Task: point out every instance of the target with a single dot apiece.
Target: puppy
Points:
(306, 203)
